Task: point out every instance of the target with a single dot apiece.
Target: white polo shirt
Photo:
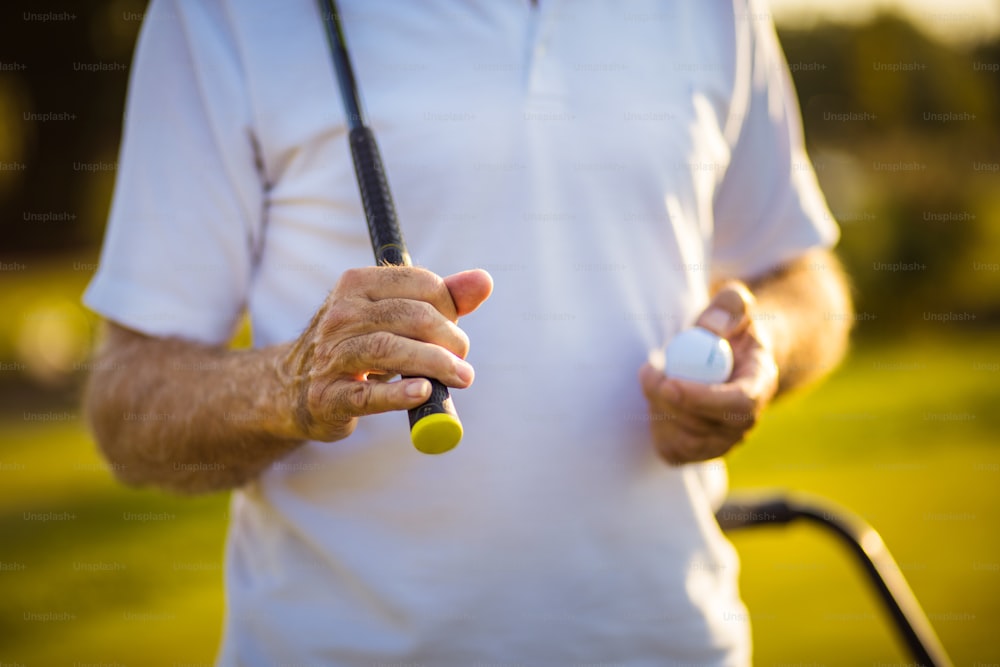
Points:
(604, 161)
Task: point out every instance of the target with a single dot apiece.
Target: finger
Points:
(418, 320)
(390, 353)
(469, 289)
(347, 399)
(399, 282)
(649, 379)
(667, 395)
(673, 420)
(728, 312)
(690, 449)
(719, 402)
(666, 415)
(686, 410)
(669, 420)
(655, 385)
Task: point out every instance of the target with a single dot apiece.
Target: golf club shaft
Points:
(380, 212)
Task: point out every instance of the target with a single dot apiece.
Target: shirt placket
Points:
(543, 86)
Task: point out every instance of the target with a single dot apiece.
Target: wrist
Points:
(277, 396)
(772, 329)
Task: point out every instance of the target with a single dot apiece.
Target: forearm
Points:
(185, 416)
(197, 418)
(805, 310)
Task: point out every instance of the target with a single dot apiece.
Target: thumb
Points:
(728, 312)
(469, 289)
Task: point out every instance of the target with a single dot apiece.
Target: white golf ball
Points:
(698, 354)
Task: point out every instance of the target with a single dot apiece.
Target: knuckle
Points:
(424, 320)
(434, 282)
(357, 396)
(691, 448)
(334, 429)
(461, 343)
(648, 387)
(316, 398)
(677, 454)
(740, 419)
(661, 418)
(348, 353)
(321, 355)
(676, 449)
(396, 274)
(664, 449)
(346, 427)
(384, 312)
(738, 296)
(336, 317)
(682, 399)
(381, 345)
(442, 299)
(352, 278)
(721, 446)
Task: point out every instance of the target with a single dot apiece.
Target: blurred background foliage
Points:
(906, 188)
(904, 433)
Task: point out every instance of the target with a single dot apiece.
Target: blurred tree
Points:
(62, 91)
(904, 133)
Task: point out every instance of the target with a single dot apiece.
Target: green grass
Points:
(905, 437)
(135, 576)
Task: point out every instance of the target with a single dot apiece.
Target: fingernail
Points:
(418, 388)
(717, 320)
(464, 371)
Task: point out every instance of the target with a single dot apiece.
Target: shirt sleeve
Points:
(187, 209)
(768, 207)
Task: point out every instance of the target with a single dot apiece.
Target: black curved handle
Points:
(869, 551)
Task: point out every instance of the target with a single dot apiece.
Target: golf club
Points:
(434, 426)
(865, 543)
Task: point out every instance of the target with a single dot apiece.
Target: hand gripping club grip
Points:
(434, 426)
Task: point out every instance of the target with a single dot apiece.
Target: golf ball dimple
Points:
(698, 354)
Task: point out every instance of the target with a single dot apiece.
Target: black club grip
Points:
(438, 403)
(434, 426)
(383, 227)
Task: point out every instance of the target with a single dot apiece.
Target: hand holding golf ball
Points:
(708, 384)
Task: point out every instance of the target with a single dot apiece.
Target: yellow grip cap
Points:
(436, 433)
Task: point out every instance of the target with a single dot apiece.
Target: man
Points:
(622, 173)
